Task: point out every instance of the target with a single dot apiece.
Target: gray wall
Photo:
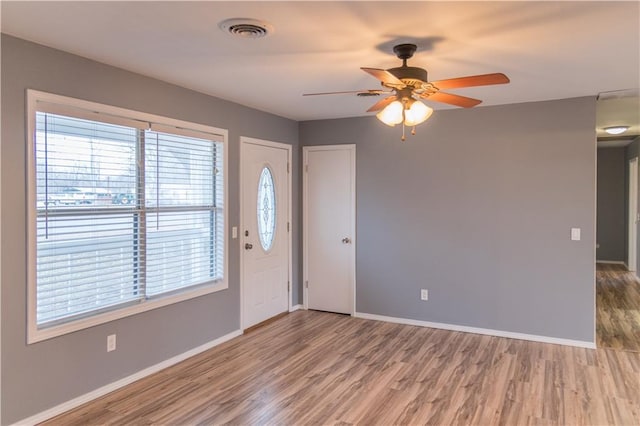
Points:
(611, 227)
(477, 208)
(38, 376)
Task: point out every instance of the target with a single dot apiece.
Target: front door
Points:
(265, 230)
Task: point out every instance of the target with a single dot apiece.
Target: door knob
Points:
(346, 240)
(248, 246)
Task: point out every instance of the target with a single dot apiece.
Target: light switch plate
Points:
(575, 234)
(111, 342)
(234, 232)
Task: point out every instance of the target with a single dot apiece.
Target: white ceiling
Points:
(549, 50)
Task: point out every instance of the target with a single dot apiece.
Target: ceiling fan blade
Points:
(457, 100)
(384, 76)
(473, 80)
(382, 103)
(372, 91)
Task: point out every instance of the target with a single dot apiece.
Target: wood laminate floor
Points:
(617, 308)
(320, 368)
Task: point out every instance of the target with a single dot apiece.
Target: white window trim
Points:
(34, 334)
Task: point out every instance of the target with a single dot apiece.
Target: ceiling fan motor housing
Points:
(411, 76)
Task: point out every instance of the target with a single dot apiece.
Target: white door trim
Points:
(632, 228)
(305, 221)
(243, 142)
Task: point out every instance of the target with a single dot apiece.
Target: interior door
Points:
(265, 238)
(329, 228)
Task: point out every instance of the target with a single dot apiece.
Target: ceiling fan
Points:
(405, 85)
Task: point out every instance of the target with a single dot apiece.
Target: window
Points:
(127, 213)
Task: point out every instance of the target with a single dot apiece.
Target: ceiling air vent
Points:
(246, 28)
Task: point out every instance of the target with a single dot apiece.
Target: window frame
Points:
(86, 109)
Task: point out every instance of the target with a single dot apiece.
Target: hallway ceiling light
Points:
(616, 130)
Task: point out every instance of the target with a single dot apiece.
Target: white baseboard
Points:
(76, 402)
(485, 331)
(295, 307)
(612, 262)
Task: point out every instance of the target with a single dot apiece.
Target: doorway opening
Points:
(617, 282)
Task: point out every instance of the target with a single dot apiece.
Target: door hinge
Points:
(306, 284)
(288, 228)
(306, 168)
(287, 167)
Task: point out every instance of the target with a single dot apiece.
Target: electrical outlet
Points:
(424, 294)
(111, 342)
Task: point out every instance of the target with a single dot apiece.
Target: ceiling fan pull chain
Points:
(413, 131)
(403, 118)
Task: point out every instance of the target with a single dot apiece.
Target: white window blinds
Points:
(183, 198)
(124, 214)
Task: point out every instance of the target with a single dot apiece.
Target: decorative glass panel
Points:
(266, 209)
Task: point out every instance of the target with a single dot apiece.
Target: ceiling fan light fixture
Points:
(616, 130)
(417, 113)
(391, 114)
(409, 113)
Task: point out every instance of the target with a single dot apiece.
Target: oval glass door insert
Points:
(266, 209)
